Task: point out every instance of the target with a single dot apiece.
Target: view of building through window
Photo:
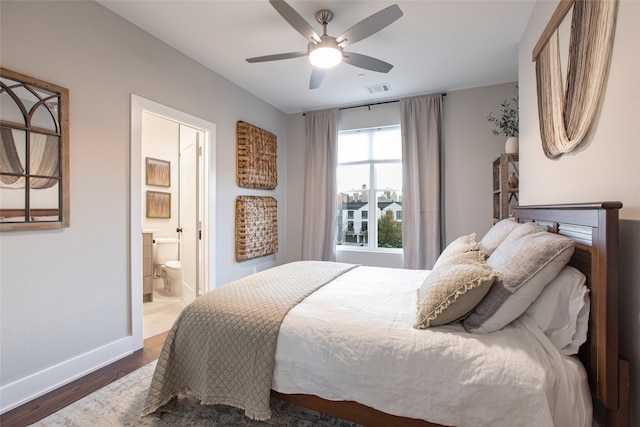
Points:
(369, 198)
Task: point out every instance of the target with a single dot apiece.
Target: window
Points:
(34, 171)
(369, 173)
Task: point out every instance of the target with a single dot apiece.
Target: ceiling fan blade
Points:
(370, 25)
(295, 20)
(366, 62)
(317, 75)
(277, 57)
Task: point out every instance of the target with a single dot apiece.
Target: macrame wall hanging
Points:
(566, 113)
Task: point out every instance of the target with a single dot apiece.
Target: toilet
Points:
(166, 264)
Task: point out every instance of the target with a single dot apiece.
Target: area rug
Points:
(120, 404)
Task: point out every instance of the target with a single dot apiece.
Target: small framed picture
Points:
(158, 204)
(158, 172)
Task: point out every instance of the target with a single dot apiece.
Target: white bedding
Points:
(353, 340)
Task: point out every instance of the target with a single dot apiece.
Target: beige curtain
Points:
(319, 210)
(421, 120)
(566, 116)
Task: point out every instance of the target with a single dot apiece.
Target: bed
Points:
(311, 344)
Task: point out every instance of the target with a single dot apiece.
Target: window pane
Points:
(352, 230)
(45, 155)
(12, 157)
(352, 177)
(44, 204)
(353, 147)
(389, 227)
(10, 110)
(12, 204)
(44, 118)
(388, 175)
(387, 144)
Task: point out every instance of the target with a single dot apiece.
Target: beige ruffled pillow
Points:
(453, 289)
(461, 245)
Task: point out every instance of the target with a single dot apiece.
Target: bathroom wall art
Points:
(256, 227)
(158, 172)
(256, 157)
(158, 204)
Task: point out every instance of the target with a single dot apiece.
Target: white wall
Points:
(64, 294)
(470, 147)
(605, 167)
(161, 140)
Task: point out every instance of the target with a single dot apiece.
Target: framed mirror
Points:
(34, 153)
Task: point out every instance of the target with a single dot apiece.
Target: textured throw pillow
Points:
(561, 311)
(461, 245)
(453, 289)
(528, 259)
(497, 234)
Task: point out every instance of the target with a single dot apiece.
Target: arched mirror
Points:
(34, 153)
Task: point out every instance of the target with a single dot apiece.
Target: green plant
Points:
(507, 121)
(389, 231)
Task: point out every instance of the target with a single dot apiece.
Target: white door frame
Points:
(138, 105)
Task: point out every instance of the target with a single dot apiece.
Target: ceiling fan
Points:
(326, 51)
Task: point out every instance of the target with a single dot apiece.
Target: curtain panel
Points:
(319, 208)
(421, 119)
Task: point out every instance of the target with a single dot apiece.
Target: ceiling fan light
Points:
(325, 57)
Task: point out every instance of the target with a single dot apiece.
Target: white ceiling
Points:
(437, 46)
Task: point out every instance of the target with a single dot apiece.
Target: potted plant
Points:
(507, 122)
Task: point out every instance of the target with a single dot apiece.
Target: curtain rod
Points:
(369, 105)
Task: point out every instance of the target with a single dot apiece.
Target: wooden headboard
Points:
(594, 227)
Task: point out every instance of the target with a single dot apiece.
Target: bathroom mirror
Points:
(34, 153)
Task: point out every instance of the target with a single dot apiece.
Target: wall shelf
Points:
(506, 178)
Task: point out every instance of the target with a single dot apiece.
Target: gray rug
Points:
(120, 404)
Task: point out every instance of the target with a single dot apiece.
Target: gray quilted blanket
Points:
(222, 346)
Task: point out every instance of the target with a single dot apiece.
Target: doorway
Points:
(191, 190)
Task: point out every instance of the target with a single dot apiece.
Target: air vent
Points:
(379, 88)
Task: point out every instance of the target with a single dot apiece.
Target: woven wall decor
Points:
(566, 110)
(256, 157)
(256, 227)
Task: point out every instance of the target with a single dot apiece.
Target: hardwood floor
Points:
(51, 402)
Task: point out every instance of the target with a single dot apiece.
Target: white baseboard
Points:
(28, 388)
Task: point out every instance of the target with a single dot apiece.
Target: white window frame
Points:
(372, 220)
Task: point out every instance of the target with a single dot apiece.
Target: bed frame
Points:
(594, 227)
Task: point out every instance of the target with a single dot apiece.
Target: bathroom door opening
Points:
(193, 212)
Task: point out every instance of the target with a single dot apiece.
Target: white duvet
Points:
(354, 339)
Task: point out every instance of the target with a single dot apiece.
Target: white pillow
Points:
(561, 311)
(529, 258)
(497, 234)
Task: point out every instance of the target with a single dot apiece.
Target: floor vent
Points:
(379, 88)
